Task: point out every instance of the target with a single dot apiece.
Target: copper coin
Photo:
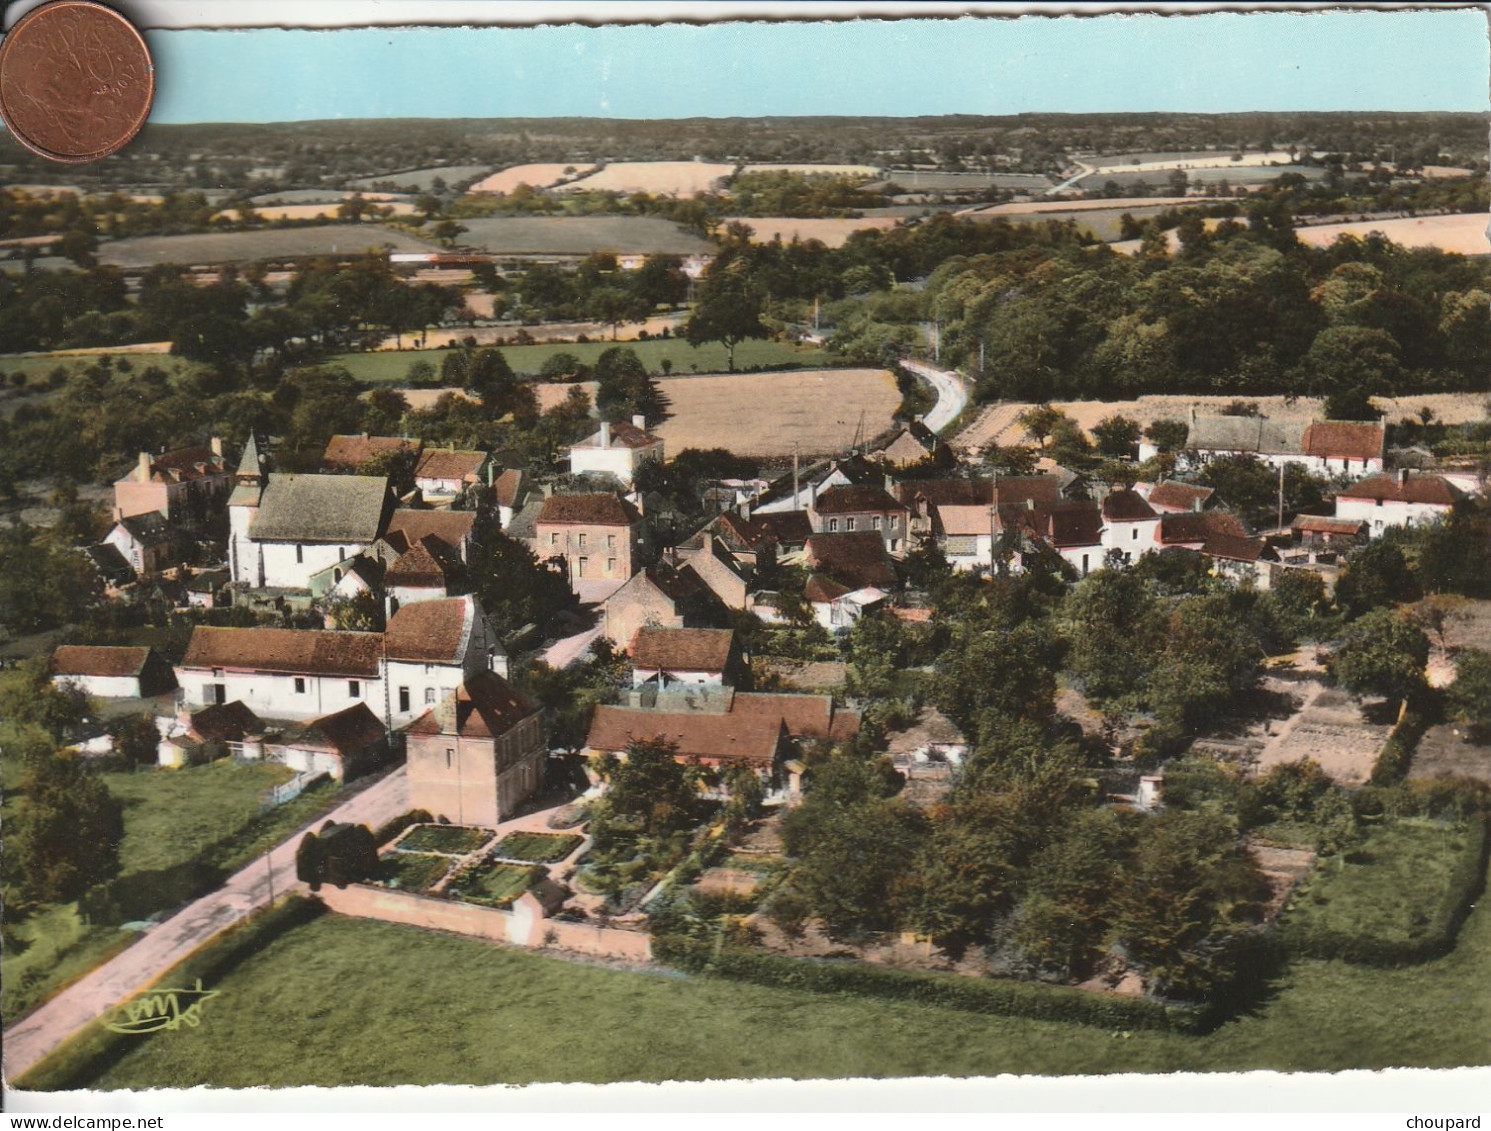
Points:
(76, 81)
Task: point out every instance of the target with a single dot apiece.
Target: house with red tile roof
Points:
(1405, 499)
(1170, 496)
(443, 473)
(348, 454)
(427, 571)
(110, 672)
(857, 559)
(344, 744)
(618, 450)
(666, 657)
(664, 595)
(187, 487)
(857, 508)
(718, 740)
(598, 536)
(1130, 524)
(478, 754)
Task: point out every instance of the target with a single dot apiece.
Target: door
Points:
(403, 700)
(219, 693)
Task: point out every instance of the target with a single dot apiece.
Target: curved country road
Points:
(166, 944)
(952, 393)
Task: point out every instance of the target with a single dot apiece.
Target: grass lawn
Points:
(1388, 887)
(541, 848)
(495, 885)
(390, 367)
(411, 871)
(455, 839)
(60, 947)
(280, 1022)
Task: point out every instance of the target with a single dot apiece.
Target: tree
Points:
(1114, 628)
(1063, 923)
(728, 310)
(851, 873)
(135, 739)
(1040, 422)
(514, 587)
(625, 389)
(66, 832)
(1382, 653)
(1168, 435)
(650, 785)
(1117, 436)
(1468, 699)
(1375, 575)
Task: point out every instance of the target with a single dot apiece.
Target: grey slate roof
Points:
(322, 508)
(1256, 434)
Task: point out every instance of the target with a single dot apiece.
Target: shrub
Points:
(1393, 760)
(392, 827)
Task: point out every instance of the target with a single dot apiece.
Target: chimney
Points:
(144, 465)
(1196, 503)
(605, 433)
(217, 446)
(1030, 503)
(445, 714)
(639, 422)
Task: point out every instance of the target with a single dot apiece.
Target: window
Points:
(449, 754)
(299, 554)
(875, 522)
(583, 563)
(610, 567)
(1136, 534)
(299, 685)
(403, 699)
(354, 689)
(833, 526)
(849, 524)
(217, 673)
(582, 541)
(429, 696)
(610, 541)
(553, 537)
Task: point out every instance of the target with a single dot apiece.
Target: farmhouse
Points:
(297, 525)
(477, 754)
(1073, 528)
(186, 486)
(441, 474)
(1322, 539)
(617, 449)
(599, 536)
(1322, 447)
(430, 647)
(851, 508)
(795, 492)
(111, 672)
(208, 734)
(1404, 499)
(693, 656)
(1170, 496)
(344, 744)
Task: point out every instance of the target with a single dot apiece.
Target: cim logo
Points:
(160, 1009)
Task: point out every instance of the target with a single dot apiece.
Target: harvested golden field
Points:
(1464, 232)
(812, 170)
(765, 414)
(320, 211)
(829, 232)
(671, 178)
(996, 423)
(535, 176)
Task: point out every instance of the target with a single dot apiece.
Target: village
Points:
(955, 607)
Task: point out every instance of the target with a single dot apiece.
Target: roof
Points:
(1197, 527)
(351, 452)
(427, 564)
(821, 590)
(805, 716)
(85, 659)
(1429, 489)
(321, 508)
(149, 529)
(959, 520)
(444, 463)
(524, 525)
(487, 706)
(682, 649)
(1076, 523)
(297, 651)
(1336, 439)
(858, 558)
(587, 510)
(1126, 506)
(854, 499)
(789, 528)
(1256, 434)
(179, 466)
(109, 562)
(1233, 547)
(623, 435)
(348, 731)
(225, 722)
(251, 463)
(945, 492)
(1325, 524)
(739, 737)
(1171, 495)
(509, 487)
(1020, 489)
(408, 527)
(431, 631)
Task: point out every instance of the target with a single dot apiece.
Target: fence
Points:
(287, 791)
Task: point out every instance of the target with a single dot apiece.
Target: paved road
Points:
(163, 946)
(952, 394)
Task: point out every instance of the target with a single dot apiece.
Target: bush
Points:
(971, 995)
(141, 894)
(1393, 760)
(392, 827)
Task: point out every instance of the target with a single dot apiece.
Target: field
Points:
(247, 247)
(580, 235)
(818, 412)
(1196, 159)
(318, 211)
(809, 169)
(303, 1006)
(831, 232)
(315, 196)
(1041, 207)
(668, 178)
(921, 180)
(421, 180)
(387, 367)
(535, 176)
(1464, 233)
(1235, 175)
(480, 304)
(996, 422)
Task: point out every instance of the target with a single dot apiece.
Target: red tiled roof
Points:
(351, 452)
(624, 435)
(427, 564)
(946, 492)
(1334, 439)
(1196, 528)
(1076, 523)
(855, 499)
(1325, 524)
(487, 706)
(509, 486)
(734, 737)
(289, 650)
(187, 463)
(407, 527)
(1232, 547)
(1429, 489)
(1126, 506)
(1020, 489)
(86, 659)
(845, 726)
(587, 510)
(225, 722)
(806, 716)
(345, 732)
(443, 463)
(821, 590)
(430, 631)
(682, 649)
(789, 528)
(858, 559)
(1170, 495)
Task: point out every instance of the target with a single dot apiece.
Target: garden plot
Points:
(493, 884)
(411, 871)
(1332, 730)
(536, 848)
(450, 840)
(1444, 752)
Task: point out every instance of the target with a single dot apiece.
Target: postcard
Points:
(748, 549)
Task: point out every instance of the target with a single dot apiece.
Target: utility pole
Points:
(1280, 523)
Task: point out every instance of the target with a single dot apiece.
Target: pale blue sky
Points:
(1215, 62)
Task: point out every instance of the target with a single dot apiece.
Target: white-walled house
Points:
(111, 672)
(1404, 499)
(1130, 524)
(696, 656)
(443, 473)
(284, 531)
(431, 646)
(617, 449)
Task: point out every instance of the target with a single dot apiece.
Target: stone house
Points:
(599, 536)
(443, 473)
(1404, 499)
(293, 526)
(858, 560)
(663, 595)
(186, 487)
(146, 541)
(860, 508)
(1130, 524)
